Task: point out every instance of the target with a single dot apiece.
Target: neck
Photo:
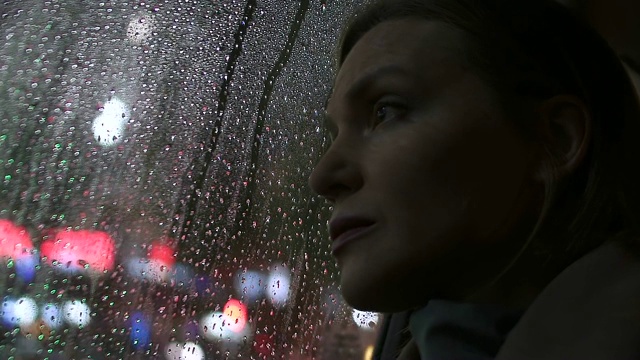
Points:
(517, 284)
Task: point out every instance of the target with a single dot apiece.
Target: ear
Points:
(564, 131)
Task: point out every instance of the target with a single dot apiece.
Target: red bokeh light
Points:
(162, 254)
(236, 313)
(79, 249)
(15, 241)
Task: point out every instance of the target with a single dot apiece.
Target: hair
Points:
(536, 49)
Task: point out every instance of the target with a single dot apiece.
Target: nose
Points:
(338, 173)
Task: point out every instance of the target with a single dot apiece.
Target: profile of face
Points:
(430, 181)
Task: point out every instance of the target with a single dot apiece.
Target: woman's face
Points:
(428, 178)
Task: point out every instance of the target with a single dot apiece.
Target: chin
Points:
(379, 298)
(360, 302)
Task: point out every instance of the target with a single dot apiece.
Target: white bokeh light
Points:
(184, 351)
(20, 312)
(52, 316)
(143, 268)
(364, 319)
(215, 326)
(26, 311)
(278, 285)
(250, 285)
(140, 28)
(108, 127)
(76, 313)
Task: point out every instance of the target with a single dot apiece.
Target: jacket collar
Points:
(590, 311)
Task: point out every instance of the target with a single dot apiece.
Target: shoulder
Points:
(589, 311)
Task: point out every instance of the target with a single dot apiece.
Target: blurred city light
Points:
(140, 28)
(368, 352)
(278, 285)
(162, 254)
(157, 266)
(79, 250)
(364, 319)
(226, 325)
(15, 242)
(108, 127)
(184, 351)
(147, 269)
(140, 330)
(19, 312)
(76, 313)
(250, 285)
(26, 266)
(215, 326)
(52, 316)
(236, 313)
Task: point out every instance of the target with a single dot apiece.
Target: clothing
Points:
(590, 311)
(458, 331)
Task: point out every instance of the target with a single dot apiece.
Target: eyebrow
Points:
(360, 85)
(370, 77)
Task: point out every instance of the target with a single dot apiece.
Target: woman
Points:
(482, 177)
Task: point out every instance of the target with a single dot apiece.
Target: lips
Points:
(346, 228)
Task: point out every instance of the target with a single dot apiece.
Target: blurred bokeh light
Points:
(80, 250)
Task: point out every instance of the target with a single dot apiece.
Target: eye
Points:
(386, 110)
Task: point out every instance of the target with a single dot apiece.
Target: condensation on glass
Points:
(154, 204)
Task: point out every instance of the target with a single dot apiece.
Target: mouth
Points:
(344, 230)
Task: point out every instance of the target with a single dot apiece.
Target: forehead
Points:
(417, 46)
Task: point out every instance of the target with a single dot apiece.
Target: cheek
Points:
(488, 170)
(462, 182)
(418, 183)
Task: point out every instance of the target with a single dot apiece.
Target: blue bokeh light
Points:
(140, 330)
(26, 266)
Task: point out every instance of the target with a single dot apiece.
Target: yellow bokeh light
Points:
(368, 353)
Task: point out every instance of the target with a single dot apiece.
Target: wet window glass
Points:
(154, 204)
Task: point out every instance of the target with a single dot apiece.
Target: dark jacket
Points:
(590, 311)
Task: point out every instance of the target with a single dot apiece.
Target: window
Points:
(154, 204)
